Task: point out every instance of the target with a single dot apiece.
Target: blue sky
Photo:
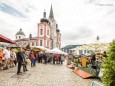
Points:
(80, 21)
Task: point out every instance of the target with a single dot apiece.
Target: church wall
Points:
(20, 36)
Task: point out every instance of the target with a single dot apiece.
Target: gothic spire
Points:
(51, 16)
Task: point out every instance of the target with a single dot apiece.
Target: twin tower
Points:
(48, 34)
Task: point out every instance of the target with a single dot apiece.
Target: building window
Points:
(48, 44)
(41, 31)
(40, 42)
(48, 32)
(19, 37)
(36, 43)
(32, 43)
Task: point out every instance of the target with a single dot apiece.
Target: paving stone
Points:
(43, 75)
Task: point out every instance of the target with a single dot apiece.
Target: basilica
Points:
(48, 34)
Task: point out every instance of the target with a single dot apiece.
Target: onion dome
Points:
(20, 32)
(44, 18)
(57, 30)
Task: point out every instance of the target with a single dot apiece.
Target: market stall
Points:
(5, 39)
(39, 48)
(57, 51)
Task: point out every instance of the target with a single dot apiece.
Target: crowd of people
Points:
(9, 58)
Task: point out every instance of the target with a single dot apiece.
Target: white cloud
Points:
(80, 21)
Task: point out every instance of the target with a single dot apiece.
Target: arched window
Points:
(32, 43)
(41, 31)
(48, 43)
(36, 43)
(48, 32)
(19, 37)
(40, 42)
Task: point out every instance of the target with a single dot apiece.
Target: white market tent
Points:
(57, 51)
(41, 48)
(95, 47)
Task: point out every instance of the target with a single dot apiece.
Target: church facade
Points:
(48, 34)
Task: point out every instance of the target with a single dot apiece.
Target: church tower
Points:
(44, 32)
(48, 33)
(53, 27)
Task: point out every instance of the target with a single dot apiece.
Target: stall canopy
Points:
(5, 39)
(57, 51)
(41, 48)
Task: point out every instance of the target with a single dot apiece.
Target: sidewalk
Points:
(43, 75)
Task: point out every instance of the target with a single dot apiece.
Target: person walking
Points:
(53, 59)
(45, 58)
(57, 58)
(36, 56)
(25, 57)
(62, 59)
(32, 57)
(19, 60)
(1, 57)
(7, 57)
(93, 59)
(13, 57)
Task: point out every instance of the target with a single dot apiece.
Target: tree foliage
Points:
(109, 67)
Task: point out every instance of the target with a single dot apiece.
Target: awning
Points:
(41, 48)
(5, 39)
(57, 51)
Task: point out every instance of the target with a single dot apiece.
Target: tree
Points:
(109, 67)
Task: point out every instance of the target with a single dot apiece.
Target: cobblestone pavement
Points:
(43, 75)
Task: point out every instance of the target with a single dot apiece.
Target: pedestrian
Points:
(53, 59)
(45, 58)
(32, 57)
(62, 59)
(36, 56)
(25, 57)
(105, 54)
(1, 57)
(13, 57)
(93, 59)
(7, 57)
(19, 60)
(57, 59)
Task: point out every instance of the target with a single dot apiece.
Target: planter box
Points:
(94, 83)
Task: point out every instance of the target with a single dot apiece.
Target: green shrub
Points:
(109, 67)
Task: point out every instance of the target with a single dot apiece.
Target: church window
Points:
(40, 42)
(47, 43)
(32, 43)
(19, 37)
(36, 43)
(41, 31)
(48, 32)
